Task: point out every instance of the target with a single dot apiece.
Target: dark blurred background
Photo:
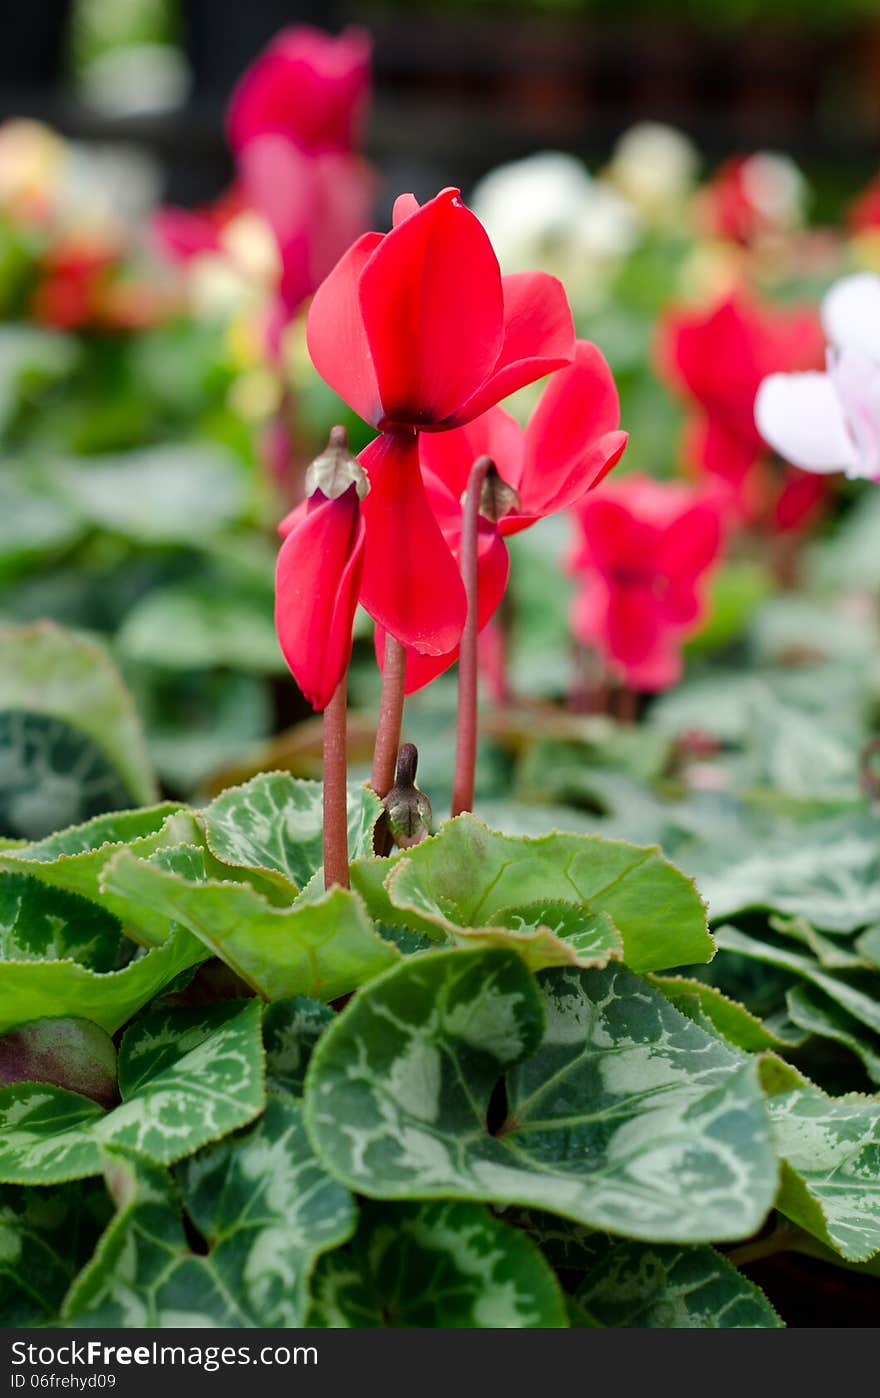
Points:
(463, 85)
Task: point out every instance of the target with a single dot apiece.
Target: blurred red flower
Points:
(716, 359)
(417, 330)
(645, 549)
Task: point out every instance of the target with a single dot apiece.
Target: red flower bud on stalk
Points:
(317, 585)
(318, 574)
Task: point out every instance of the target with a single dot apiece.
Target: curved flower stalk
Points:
(646, 548)
(828, 422)
(570, 443)
(417, 330)
(717, 359)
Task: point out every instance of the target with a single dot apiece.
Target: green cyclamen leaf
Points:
(657, 1286)
(45, 670)
(274, 824)
(830, 1148)
(291, 1028)
(46, 1236)
(628, 1117)
(40, 923)
(324, 948)
(710, 1008)
(829, 875)
(186, 1078)
(37, 989)
(441, 1265)
(468, 878)
(816, 1014)
(265, 1208)
(858, 999)
(74, 860)
(51, 774)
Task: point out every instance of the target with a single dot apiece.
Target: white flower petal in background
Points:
(607, 224)
(851, 314)
(531, 205)
(654, 166)
(801, 417)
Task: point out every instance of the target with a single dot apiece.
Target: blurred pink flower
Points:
(310, 87)
(645, 549)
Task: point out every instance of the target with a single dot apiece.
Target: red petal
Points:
(493, 571)
(336, 336)
(317, 584)
(433, 310)
(538, 338)
(583, 475)
(691, 543)
(450, 455)
(411, 584)
(578, 408)
(634, 623)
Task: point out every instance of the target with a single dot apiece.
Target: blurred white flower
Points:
(655, 167)
(831, 422)
(546, 212)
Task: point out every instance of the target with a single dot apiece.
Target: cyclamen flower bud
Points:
(497, 498)
(335, 469)
(407, 810)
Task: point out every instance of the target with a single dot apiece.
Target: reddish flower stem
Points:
(335, 802)
(390, 717)
(466, 730)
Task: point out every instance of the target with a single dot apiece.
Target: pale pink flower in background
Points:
(826, 422)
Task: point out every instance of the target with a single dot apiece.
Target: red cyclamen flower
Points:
(570, 443)
(646, 547)
(417, 330)
(718, 359)
(318, 574)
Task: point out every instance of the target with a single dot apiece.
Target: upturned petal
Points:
(337, 338)
(538, 338)
(433, 311)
